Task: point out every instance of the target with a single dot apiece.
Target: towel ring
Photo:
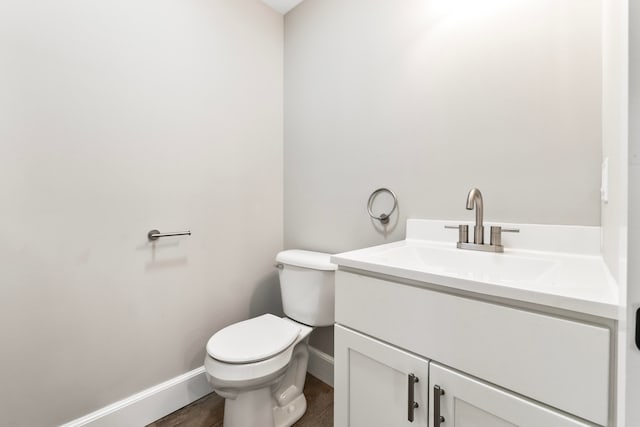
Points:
(383, 218)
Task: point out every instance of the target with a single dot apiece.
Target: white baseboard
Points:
(320, 366)
(154, 403)
(151, 404)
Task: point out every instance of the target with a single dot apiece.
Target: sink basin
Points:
(480, 266)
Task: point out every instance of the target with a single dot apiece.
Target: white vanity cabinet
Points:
(499, 365)
(377, 383)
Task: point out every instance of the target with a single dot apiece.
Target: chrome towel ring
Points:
(383, 218)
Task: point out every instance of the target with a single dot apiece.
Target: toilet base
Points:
(258, 408)
(252, 408)
(286, 416)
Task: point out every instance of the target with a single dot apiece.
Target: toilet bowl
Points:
(259, 365)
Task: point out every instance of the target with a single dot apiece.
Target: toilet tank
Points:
(307, 286)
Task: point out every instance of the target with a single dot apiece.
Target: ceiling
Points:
(282, 6)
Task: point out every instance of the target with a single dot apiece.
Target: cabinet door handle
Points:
(638, 329)
(437, 418)
(411, 404)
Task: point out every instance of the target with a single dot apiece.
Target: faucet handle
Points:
(510, 230)
(496, 234)
(463, 232)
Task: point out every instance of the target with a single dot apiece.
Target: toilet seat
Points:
(228, 371)
(253, 340)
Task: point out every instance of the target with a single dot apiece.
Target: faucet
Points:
(474, 199)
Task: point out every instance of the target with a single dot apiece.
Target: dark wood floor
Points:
(208, 411)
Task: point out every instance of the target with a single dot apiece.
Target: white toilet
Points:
(259, 365)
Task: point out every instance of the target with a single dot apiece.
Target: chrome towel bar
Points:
(155, 234)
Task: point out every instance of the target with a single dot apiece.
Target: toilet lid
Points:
(252, 340)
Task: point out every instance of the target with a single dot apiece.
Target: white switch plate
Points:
(604, 183)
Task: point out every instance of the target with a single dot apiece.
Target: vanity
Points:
(431, 335)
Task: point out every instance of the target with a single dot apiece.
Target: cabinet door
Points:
(467, 402)
(373, 383)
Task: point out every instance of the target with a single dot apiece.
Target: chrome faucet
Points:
(474, 199)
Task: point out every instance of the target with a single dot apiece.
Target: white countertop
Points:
(577, 280)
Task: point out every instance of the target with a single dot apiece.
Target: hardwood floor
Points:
(208, 411)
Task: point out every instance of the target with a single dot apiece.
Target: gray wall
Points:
(117, 117)
(431, 98)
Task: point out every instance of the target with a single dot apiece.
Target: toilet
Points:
(259, 365)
